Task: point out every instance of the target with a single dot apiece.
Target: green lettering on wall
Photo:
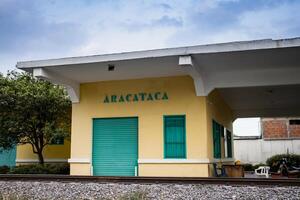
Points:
(142, 95)
(113, 98)
(106, 99)
(135, 97)
(165, 96)
(121, 99)
(150, 98)
(157, 96)
(128, 97)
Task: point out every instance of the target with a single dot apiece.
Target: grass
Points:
(11, 197)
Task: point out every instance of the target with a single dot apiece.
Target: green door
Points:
(229, 145)
(115, 149)
(217, 139)
(8, 158)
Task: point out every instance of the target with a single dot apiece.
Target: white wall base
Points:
(79, 160)
(46, 160)
(182, 161)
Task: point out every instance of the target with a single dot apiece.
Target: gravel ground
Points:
(57, 190)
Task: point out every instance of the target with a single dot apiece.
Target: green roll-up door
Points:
(115, 149)
(8, 157)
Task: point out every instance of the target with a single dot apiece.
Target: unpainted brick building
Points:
(280, 128)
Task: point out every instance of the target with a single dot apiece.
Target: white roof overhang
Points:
(260, 63)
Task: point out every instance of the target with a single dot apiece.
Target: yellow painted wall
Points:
(179, 170)
(81, 169)
(217, 110)
(52, 152)
(182, 101)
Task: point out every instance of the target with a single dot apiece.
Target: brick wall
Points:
(274, 129)
(279, 128)
(295, 131)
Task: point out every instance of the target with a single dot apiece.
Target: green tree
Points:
(32, 111)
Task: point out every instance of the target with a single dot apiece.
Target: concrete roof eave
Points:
(189, 50)
(255, 78)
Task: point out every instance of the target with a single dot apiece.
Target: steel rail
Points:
(153, 180)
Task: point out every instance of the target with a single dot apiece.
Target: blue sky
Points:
(40, 29)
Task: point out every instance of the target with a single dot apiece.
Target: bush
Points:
(58, 168)
(248, 167)
(258, 165)
(4, 169)
(41, 169)
(29, 169)
(274, 161)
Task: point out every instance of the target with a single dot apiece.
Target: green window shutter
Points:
(174, 137)
(229, 144)
(217, 131)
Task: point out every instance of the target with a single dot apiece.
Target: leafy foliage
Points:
(248, 167)
(4, 169)
(274, 161)
(32, 111)
(258, 165)
(41, 169)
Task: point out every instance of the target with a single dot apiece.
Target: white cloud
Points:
(59, 28)
(266, 21)
(130, 26)
(117, 40)
(273, 22)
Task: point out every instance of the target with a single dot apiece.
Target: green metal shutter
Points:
(229, 144)
(217, 139)
(8, 158)
(174, 136)
(115, 148)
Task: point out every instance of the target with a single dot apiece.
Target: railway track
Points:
(153, 180)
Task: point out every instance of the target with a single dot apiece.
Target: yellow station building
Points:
(58, 152)
(166, 112)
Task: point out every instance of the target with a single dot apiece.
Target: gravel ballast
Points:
(75, 190)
